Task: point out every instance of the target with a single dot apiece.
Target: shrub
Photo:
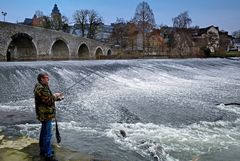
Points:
(206, 51)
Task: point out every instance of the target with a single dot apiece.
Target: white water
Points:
(166, 107)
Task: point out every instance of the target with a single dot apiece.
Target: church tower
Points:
(56, 18)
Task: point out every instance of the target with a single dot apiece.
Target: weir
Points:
(136, 109)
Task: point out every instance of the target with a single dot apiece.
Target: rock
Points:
(61, 154)
(17, 144)
(13, 155)
(1, 138)
(27, 149)
(123, 133)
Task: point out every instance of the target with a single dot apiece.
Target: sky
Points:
(222, 13)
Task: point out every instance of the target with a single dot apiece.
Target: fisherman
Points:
(45, 111)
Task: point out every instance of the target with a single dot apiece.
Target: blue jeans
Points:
(45, 138)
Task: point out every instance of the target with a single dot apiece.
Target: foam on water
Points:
(67, 75)
(149, 82)
(166, 107)
(19, 105)
(165, 141)
(32, 130)
(230, 108)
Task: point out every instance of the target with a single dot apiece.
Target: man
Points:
(45, 110)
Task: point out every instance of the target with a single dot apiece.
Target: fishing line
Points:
(67, 89)
(84, 78)
(57, 133)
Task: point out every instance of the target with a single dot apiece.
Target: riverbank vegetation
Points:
(226, 54)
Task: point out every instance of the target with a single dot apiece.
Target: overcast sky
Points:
(222, 13)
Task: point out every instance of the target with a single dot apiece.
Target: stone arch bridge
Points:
(21, 42)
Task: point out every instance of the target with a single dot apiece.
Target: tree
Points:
(59, 22)
(94, 21)
(132, 34)
(39, 14)
(236, 34)
(87, 19)
(224, 42)
(144, 18)
(65, 24)
(156, 41)
(182, 20)
(56, 22)
(81, 18)
(119, 32)
(168, 35)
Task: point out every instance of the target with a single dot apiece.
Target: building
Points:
(208, 37)
(42, 21)
(184, 42)
(27, 21)
(56, 18)
(54, 22)
(104, 32)
(236, 44)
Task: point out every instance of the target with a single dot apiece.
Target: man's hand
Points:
(59, 96)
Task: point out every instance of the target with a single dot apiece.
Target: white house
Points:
(236, 44)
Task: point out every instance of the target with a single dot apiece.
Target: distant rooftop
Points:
(27, 21)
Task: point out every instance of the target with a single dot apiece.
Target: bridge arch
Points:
(83, 51)
(109, 52)
(59, 49)
(98, 52)
(21, 47)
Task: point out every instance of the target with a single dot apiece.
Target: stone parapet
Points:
(22, 42)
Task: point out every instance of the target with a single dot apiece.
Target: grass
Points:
(226, 54)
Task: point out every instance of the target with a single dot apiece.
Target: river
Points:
(170, 109)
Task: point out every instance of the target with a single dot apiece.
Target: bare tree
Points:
(81, 17)
(94, 21)
(132, 34)
(182, 20)
(119, 32)
(39, 13)
(88, 20)
(144, 18)
(65, 22)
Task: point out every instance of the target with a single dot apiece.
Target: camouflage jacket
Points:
(44, 102)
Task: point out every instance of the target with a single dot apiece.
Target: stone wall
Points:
(23, 42)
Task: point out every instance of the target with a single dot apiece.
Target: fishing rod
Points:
(67, 89)
(57, 133)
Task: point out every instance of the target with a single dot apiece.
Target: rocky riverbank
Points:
(26, 149)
